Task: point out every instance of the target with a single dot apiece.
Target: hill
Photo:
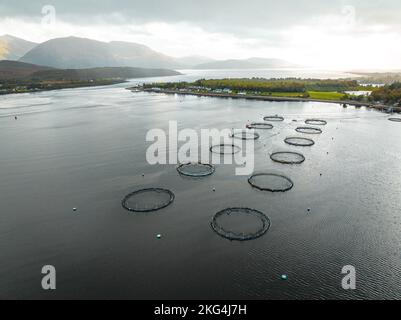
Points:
(20, 77)
(190, 62)
(20, 71)
(100, 73)
(252, 63)
(14, 70)
(81, 53)
(13, 48)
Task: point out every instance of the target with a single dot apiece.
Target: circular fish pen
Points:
(271, 182)
(299, 141)
(287, 157)
(225, 149)
(260, 126)
(231, 222)
(148, 200)
(309, 130)
(395, 119)
(274, 118)
(316, 122)
(196, 170)
(245, 135)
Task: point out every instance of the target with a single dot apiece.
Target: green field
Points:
(287, 94)
(326, 95)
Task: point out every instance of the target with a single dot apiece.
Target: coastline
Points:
(356, 104)
(66, 86)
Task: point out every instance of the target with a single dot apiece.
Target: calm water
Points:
(85, 148)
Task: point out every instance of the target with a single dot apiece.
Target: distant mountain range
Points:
(252, 63)
(78, 53)
(20, 71)
(193, 61)
(12, 48)
(81, 53)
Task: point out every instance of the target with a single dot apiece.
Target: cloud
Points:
(206, 13)
(336, 33)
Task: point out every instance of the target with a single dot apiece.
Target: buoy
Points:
(284, 277)
(159, 236)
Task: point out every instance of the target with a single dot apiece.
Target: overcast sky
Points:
(339, 34)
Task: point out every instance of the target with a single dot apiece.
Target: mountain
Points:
(252, 63)
(192, 61)
(79, 53)
(82, 53)
(14, 70)
(137, 55)
(12, 48)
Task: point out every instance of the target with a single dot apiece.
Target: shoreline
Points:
(356, 104)
(66, 86)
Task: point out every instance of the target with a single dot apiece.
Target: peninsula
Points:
(342, 91)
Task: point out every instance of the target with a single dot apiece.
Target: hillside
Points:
(81, 53)
(100, 73)
(14, 70)
(20, 71)
(20, 77)
(13, 48)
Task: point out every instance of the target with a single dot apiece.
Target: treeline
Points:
(388, 94)
(281, 85)
(270, 85)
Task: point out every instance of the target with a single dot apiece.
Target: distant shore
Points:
(31, 88)
(357, 104)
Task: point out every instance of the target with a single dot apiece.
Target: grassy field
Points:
(329, 95)
(286, 94)
(326, 95)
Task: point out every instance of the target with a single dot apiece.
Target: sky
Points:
(336, 34)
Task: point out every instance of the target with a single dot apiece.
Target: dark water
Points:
(85, 148)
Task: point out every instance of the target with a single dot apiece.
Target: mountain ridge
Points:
(13, 48)
(81, 53)
(250, 63)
